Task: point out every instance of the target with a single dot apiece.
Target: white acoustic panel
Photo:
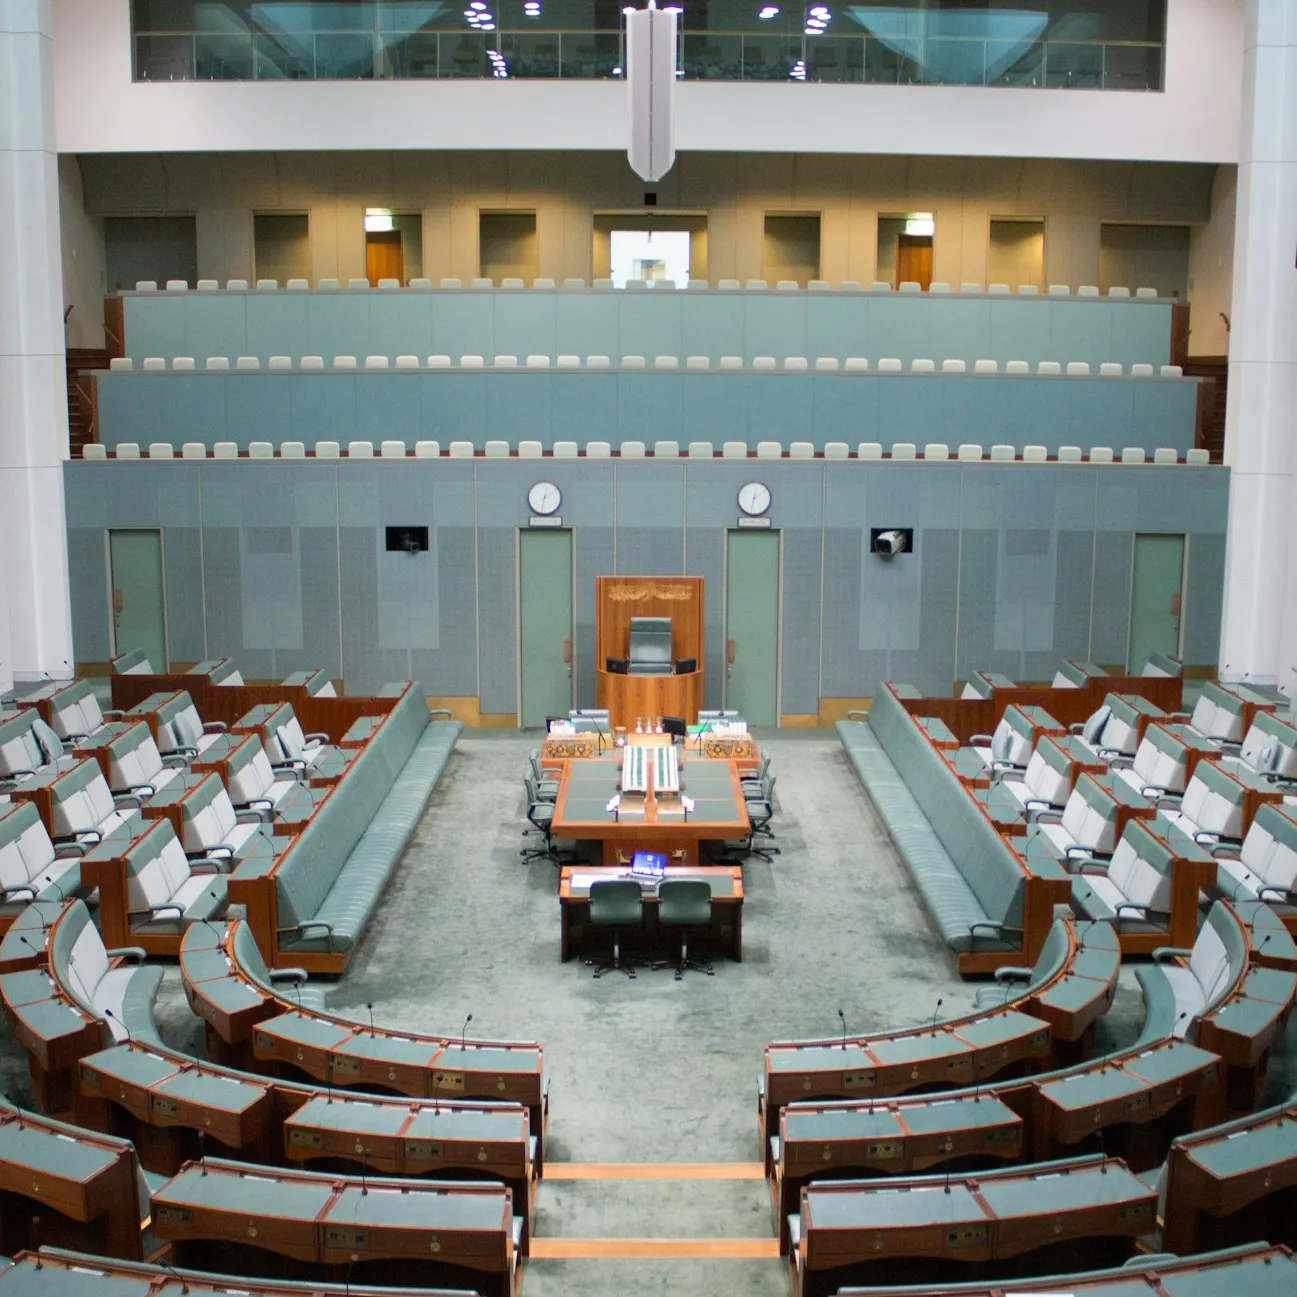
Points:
(650, 89)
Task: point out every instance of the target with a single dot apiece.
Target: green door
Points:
(138, 610)
(1156, 593)
(752, 625)
(545, 624)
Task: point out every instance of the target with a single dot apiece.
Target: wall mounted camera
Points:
(888, 542)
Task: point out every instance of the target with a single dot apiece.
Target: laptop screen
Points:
(648, 864)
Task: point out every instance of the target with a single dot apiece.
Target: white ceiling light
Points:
(770, 11)
(920, 223)
(378, 220)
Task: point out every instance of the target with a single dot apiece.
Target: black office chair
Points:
(616, 904)
(541, 815)
(760, 806)
(686, 903)
(546, 788)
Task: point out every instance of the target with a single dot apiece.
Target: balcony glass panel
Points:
(1059, 44)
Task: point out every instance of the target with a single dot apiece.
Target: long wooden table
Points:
(726, 882)
(654, 822)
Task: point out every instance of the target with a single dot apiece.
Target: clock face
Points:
(544, 498)
(754, 498)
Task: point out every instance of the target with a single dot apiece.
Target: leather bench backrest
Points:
(1090, 816)
(1136, 874)
(1270, 745)
(133, 758)
(1214, 801)
(19, 747)
(75, 710)
(77, 955)
(155, 868)
(209, 815)
(308, 869)
(247, 955)
(1218, 955)
(25, 847)
(248, 773)
(1161, 759)
(1270, 848)
(1048, 773)
(1218, 714)
(134, 662)
(81, 800)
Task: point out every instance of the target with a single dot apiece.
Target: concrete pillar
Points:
(35, 625)
(1259, 626)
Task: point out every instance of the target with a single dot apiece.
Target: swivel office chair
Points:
(544, 786)
(616, 904)
(540, 813)
(761, 810)
(686, 903)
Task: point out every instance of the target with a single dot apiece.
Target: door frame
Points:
(779, 618)
(108, 579)
(1184, 582)
(517, 614)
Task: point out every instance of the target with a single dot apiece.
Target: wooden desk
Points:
(656, 823)
(850, 1230)
(409, 1231)
(628, 696)
(1214, 1174)
(726, 882)
(884, 1140)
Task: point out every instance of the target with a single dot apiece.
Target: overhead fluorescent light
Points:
(920, 224)
(378, 220)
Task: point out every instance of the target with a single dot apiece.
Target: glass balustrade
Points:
(1056, 44)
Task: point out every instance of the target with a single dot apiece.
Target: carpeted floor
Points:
(651, 1070)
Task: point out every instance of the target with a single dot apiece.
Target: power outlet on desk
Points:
(345, 1068)
(305, 1138)
(858, 1080)
(443, 1081)
(966, 1236)
(883, 1150)
(422, 1150)
(336, 1236)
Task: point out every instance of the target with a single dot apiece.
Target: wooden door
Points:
(914, 260)
(383, 256)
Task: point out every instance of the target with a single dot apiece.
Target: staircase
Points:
(1214, 372)
(81, 407)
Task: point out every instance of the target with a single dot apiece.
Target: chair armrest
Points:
(17, 893)
(136, 953)
(245, 817)
(441, 711)
(295, 764)
(1142, 910)
(211, 865)
(120, 799)
(301, 929)
(173, 761)
(1276, 893)
(215, 727)
(66, 850)
(1087, 866)
(1203, 838)
(1226, 851)
(1120, 762)
(156, 911)
(977, 738)
(298, 976)
(1011, 973)
(139, 792)
(1050, 817)
(1085, 853)
(1076, 727)
(318, 738)
(113, 715)
(1164, 953)
(1172, 799)
(1001, 773)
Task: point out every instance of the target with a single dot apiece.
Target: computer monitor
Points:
(675, 726)
(648, 864)
(686, 666)
(617, 666)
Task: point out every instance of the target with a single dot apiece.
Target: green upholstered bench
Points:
(134, 662)
(311, 908)
(31, 867)
(1162, 664)
(972, 882)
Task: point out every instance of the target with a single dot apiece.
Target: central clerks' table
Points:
(726, 882)
(656, 823)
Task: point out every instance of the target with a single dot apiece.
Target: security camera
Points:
(891, 542)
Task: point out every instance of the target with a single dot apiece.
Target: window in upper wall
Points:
(655, 256)
(1145, 256)
(688, 259)
(281, 246)
(791, 249)
(1016, 253)
(905, 248)
(154, 248)
(506, 244)
(1086, 44)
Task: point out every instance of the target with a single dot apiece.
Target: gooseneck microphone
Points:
(936, 1010)
(463, 1038)
(843, 1018)
(370, 1006)
(108, 1013)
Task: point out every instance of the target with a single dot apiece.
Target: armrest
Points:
(1088, 866)
(1226, 851)
(295, 764)
(113, 715)
(1203, 837)
(1069, 856)
(1173, 799)
(245, 817)
(978, 738)
(1120, 762)
(297, 976)
(1011, 973)
(1076, 727)
(66, 850)
(120, 799)
(1164, 953)
(156, 911)
(139, 792)
(211, 865)
(1142, 910)
(215, 727)
(991, 927)
(1276, 893)
(857, 712)
(301, 929)
(174, 761)
(444, 711)
(318, 738)
(17, 893)
(1001, 773)
(1050, 817)
(136, 953)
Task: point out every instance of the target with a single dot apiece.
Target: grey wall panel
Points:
(1014, 567)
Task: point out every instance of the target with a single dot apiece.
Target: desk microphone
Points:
(1103, 1168)
(936, 1010)
(297, 991)
(364, 1162)
(211, 927)
(355, 1256)
(108, 1013)
(29, 946)
(175, 1274)
(369, 1004)
(36, 1240)
(202, 1150)
(1264, 942)
(463, 1039)
(843, 1017)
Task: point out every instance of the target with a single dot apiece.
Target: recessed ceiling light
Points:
(628, 9)
(821, 11)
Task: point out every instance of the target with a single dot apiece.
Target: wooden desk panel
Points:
(628, 696)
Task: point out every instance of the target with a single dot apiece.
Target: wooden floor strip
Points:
(654, 1171)
(654, 1249)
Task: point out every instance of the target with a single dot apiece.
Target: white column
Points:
(35, 625)
(1259, 630)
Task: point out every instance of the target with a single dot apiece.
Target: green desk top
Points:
(151, 703)
(967, 763)
(253, 1195)
(985, 1033)
(207, 1090)
(28, 987)
(389, 1049)
(419, 1207)
(1270, 984)
(52, 1152)
(1246, 1017)
(817, 1058)
(1244, 1151)
(1040, 718)
(49, 1019)
(393, 689)
(204, 965)
(958, 1114)
(206, 667)
(1084, 1089)
(352, 1116)
(133, 1066)
(1171, 1061)
(178, 789)
(1121, 792)
(256, 716)
(1072, 993)
(918, 1048)
(464, 1123)
(362, 728)
(484, 1058)
(229, 994)
(1097, 962)
(24, 1279)
(303, 1029)
(935, 728)
(101, 738)
(827, 1208)
(841, 1124)
(1081, 1187)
